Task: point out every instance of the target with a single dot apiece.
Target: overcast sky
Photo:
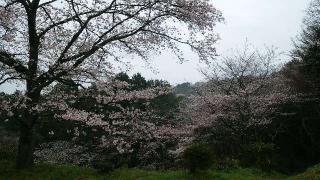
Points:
(262, 22)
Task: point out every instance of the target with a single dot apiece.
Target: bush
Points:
(8, 151)
(108, 159)
(226, 163)
(259, 154)
(197, 157)
(8, 148)
(103, 166)
(153, 155)
(63, 152)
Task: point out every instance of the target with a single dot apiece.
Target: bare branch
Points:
(8, 60)
(2, 81)
(46, 3)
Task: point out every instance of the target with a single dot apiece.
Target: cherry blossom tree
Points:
(77, 41)
(243, 92)
(108, 106)
(123, 116)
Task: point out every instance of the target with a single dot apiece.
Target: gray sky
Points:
(262, 22)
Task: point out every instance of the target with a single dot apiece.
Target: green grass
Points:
(67, 172)
(239, 174)
(310, 174)
(46, 172)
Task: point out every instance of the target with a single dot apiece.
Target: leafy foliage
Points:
(184, 89)
(8, 145)
(297, 140)
(306, 54)
(197, 157)
(258, 154)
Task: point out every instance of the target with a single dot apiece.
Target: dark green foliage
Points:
(306, 53)
(226, 163)
(109, 159)
(103, 166)
(10, 122)
(153, 155)
(164, 106)
(184, 89)
(299, 136)
(197, 157)
(8, 150)
(259, 154)
(8, 145)
(138, 82)
(122, 76)
(233, 149)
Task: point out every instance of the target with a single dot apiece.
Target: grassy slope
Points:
(51, 172)
(239, 174)
(310, 174)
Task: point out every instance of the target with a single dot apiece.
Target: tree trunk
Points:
(27, 132)
(30, 116)
(25, 148)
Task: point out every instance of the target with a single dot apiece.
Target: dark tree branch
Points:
(8, 60)
(7, 79)
(46, 3)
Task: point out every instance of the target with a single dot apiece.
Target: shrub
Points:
(153, 155)
(226, 163)
(8, 148)
(258, 154)
(103, 166)
(108, 159)
(7, 151)
(197, 157)
(63, 152)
